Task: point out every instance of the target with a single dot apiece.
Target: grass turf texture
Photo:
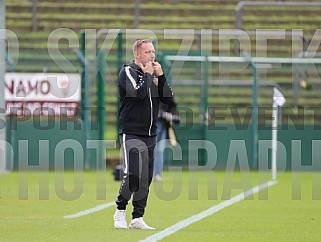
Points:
(289, 211)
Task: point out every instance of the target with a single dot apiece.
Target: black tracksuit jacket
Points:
(140, 94)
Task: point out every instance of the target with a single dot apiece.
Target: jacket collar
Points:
(133, 65)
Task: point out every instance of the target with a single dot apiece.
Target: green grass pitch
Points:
(287, 211)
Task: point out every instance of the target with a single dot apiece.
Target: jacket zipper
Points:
(151, 108)
(151, 113)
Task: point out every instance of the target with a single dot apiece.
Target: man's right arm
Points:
(133, 88)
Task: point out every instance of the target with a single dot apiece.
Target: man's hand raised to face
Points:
(148, 68)
(158, 68)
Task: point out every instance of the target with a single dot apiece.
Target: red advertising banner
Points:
(42, 94)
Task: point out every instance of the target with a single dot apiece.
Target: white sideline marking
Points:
(186, 222)
(91, 210)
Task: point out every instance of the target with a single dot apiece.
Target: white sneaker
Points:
(138, 223)
(120, 219)
(158, 178)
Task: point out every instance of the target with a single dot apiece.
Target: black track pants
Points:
(138, 166)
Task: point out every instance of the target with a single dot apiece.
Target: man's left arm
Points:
(164, 91)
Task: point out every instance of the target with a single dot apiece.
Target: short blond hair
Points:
(138, 43)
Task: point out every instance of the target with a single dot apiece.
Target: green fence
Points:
(205, 92)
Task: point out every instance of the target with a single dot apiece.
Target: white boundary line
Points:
(91, 210)
(186, 222)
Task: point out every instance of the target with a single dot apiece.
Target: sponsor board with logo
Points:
(42, 94)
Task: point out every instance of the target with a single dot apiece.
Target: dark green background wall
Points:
(220, 147)
(65, 144)
(297, 147)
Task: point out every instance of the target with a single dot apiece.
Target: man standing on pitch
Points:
(142, 85)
